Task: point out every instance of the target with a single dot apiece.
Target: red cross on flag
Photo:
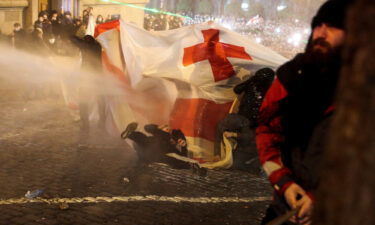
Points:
(195, 66)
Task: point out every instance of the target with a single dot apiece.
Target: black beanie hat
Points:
(333, 13)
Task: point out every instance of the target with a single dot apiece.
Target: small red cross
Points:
(216, 53)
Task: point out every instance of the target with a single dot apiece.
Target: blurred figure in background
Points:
(67, 26)
(19, 37)
(109, 18)
(91, 65)
(99, 19)
(91, 23)
(39, 23)
(85, 17)
(56, 24)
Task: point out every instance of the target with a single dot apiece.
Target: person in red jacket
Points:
(295, 114)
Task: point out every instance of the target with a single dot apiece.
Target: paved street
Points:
(40, 148)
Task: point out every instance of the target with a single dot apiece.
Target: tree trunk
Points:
(347, 193)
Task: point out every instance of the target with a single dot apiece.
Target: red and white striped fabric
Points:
(204, 62)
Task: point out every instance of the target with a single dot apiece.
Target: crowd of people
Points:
(293, 119)
(158, 22)
(52, 35)
(51, 30)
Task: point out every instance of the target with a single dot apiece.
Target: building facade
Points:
(12, 11)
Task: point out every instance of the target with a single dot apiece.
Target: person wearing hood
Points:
(99, 19)
(39, 22)
(18, 36)
(295, 115)
(91, 52)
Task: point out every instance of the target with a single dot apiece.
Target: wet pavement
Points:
(40, 148)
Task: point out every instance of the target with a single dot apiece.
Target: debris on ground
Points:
(63, 206)
(33, 194)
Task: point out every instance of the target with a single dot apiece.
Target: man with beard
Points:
(295, 114)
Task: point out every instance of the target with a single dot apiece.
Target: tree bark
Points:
(347, 189)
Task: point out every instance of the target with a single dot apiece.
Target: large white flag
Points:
(204, 62)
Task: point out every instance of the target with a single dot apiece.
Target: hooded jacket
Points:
(300, 99)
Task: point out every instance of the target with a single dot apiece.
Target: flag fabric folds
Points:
(184, 77)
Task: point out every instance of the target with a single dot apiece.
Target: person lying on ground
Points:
(155, 147)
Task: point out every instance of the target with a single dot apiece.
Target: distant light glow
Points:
(281, 7)
(146, 9)
(295, 39)
(296, 20)
(306, 31)
(245, 6)
(297, 36)
(278, 30)
(258, 40)
(227, 25)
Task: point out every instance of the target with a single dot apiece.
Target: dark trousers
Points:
(154, 149)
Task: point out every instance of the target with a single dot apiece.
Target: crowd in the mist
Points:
(158, 22)
(287, 37)
(51, 30)
(56, 34)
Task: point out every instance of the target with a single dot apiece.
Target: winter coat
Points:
(293, 119)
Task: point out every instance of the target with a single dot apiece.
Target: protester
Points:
(85, 17)
(240, 124)
(18, 37)
(108, 19)
(39, 46)
(48, 35)
(77, 24)
(99, 19)
(46, 23)
(39, 22)
(56, 24)
(67, 26)
(91, 65)
(295, 116)
(80, 30)
(91, 23)
(174, 22)
(155, 148)
(160, 22)
(147, 22)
